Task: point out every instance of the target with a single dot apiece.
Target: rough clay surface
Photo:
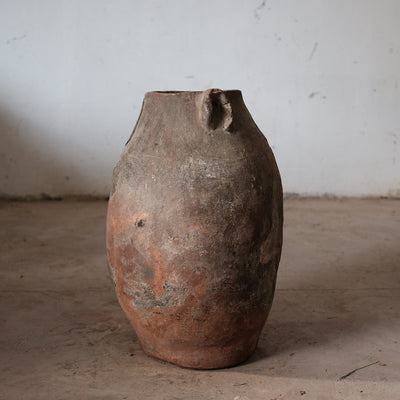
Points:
(336, 309)
(194, 228)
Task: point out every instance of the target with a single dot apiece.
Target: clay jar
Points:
(194, 228)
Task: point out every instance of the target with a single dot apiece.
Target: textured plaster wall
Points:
(321, 79)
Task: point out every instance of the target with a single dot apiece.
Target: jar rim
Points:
(177, 92)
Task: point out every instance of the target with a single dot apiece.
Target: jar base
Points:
(212, 357)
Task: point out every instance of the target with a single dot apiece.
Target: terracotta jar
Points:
(194, 228)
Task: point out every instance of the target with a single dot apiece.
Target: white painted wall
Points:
(320, 77)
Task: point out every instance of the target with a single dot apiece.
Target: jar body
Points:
(194, 228)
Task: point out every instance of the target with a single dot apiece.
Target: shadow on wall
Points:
(31, 162)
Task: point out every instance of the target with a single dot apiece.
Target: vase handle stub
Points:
(216, 110)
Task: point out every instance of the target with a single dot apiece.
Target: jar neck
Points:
(212, 108)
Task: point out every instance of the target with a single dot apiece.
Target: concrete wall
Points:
(320, 77)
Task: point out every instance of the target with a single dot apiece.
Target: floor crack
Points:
(355, 370)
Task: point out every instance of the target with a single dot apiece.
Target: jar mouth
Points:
(168, 91)
(176, 92)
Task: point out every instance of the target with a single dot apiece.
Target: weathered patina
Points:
(194, 228)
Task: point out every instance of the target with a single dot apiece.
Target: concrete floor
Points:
(336, 309)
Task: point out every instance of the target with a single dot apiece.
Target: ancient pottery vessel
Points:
(194, 228)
